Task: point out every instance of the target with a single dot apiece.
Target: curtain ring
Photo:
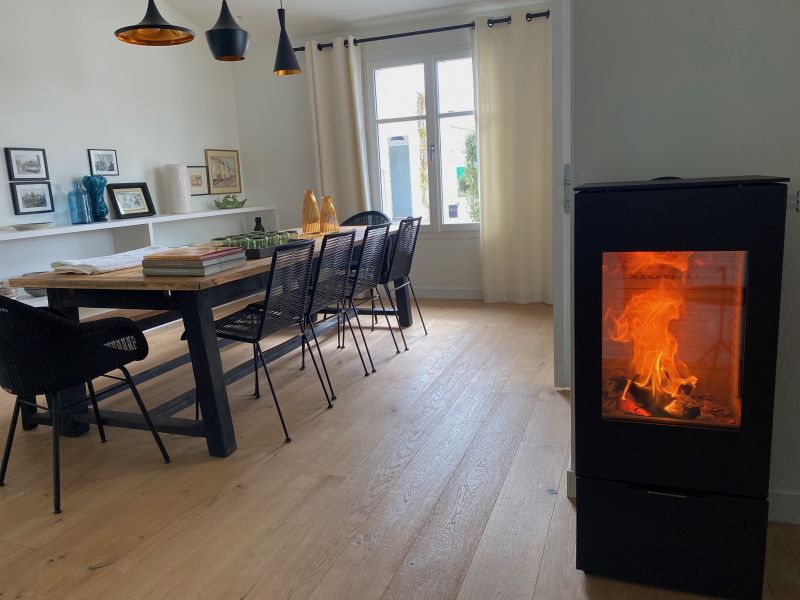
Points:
(319, 46)
(347, 43)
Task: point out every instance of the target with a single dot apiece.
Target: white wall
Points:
(689, 89)
(70, 85)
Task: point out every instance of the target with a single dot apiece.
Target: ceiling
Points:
(307, 17)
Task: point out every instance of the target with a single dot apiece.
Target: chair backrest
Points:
(287, 285)
(330, 278)
(403, 253)
(368, 274)
(368, 217)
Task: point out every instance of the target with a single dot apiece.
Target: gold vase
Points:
(328, 223)
(310, 217)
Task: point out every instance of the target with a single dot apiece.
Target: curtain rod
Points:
(392, 36)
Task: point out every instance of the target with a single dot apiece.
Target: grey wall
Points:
(704, 88)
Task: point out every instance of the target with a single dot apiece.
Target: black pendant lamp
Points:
(154, 30)
(285, 60)
(226, 39)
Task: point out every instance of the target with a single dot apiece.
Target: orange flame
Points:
(645, 324)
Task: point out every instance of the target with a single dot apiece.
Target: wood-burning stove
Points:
(677, 295)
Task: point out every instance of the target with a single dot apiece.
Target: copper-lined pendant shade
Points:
(154, 30)
(226, 39)
(285, 60)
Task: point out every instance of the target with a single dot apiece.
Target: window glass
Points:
(400, 91)
(404, 169)
(458, 160)
(456, 91)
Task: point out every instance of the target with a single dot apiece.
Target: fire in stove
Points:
(672, 336)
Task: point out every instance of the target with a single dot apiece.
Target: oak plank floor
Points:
(441, 476)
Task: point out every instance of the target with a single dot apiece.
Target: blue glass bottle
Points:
(80, 210)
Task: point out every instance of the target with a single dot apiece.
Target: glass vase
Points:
(328, 223)
(310, 217)
(95, 185)
(80, 210)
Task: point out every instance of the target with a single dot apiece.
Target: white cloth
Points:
(513, 74)
(337, 124)
(106, 264)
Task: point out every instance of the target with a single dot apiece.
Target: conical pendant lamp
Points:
(226, 39)
(285, 60)
(154, 30)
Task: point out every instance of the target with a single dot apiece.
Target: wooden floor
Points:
(440, 476)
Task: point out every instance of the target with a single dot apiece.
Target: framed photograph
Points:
(224, 174)
(198, 181)
(30, 198)
(26, 163)
(131, 200)
(103, 162)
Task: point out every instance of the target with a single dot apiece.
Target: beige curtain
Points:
(513, 75)
(337, 119)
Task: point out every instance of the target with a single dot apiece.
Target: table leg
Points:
(74, 398)
(403, 302)
(208, 374)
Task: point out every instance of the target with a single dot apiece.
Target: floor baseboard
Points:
(784, 507)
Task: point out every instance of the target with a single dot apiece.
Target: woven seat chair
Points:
(329, 288)
(402, 257)
(367, 278)
(42, 354)
(284, 306)
(368, 217)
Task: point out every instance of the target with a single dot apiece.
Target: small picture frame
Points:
(32, 198)
(198, 181)
(131, 200)
(224, 173)
(103, 162)
(27, 164)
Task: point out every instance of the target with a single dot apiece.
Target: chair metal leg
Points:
(400, 327)
(363, 337)
(304, 343)
(145, 414)
(413, 295)
(9, 441)
(372, 314)
(257, 393)
(55, 419)
(389, 323)
(303, 349)
(96, 410)
(322, 360)
(274, 396)
(338, 326)
(358, 348)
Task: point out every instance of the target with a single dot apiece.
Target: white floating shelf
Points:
(7, 234)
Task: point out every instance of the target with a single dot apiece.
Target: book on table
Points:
(165, 271)
(194, 257)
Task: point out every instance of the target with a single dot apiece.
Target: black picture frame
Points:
(17, 197)
(92, 163)
(12, 172)
(114, 194)
(192, 189)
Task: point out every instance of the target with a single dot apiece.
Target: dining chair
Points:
(284, 306)
(42, 354)
(368, 217)
(402, 258)
(329, 288)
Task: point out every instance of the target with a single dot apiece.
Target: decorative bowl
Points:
(229, 202)
(32, 226)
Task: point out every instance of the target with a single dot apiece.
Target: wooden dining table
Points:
(193, 300)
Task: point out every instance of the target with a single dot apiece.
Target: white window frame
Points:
(432, 116)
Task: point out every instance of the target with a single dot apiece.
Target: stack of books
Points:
(194, 261)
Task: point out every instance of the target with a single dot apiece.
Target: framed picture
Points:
(131, 200)
(31, 198)
(224, 175)
(26, 163)
(103, 162)
(198, 181)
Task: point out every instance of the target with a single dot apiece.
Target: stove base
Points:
(709, 544)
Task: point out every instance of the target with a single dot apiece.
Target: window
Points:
(423, 146)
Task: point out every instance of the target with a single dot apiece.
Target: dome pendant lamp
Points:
(226, 39)
(285, 60)
(154, 30)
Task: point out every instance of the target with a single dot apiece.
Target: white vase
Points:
(179, 198)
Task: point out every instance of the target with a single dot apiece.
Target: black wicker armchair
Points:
(368, 217)
(42, 353)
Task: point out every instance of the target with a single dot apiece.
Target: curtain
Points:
(337, 123)
(513, 80)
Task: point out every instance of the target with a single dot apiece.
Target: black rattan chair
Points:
(284, 306)
(42, 353)
(400, 266)
(329, 288)
(368, 217)
(367, 277)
